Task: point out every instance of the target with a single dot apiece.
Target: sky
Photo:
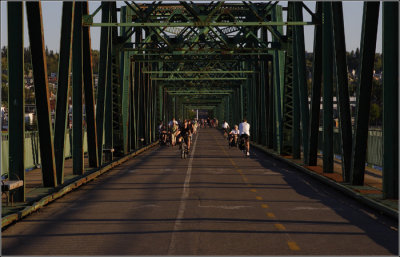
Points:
(51, 11)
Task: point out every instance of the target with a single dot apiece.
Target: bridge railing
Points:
(31, 147)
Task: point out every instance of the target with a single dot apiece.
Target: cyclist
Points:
(194, 124)
(172, 122)
(184, 133)
(233, 135)
(225, 126)
(162, 129)
(244, 130)
(173, 131)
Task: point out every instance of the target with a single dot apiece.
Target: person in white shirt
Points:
(233, 134)
(244, 130)
(225, 126)
(172, 122)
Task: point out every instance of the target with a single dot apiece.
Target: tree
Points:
(375, 114)
(4, 93)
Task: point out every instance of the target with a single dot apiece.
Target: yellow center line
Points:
(280, 226)
(293, 246)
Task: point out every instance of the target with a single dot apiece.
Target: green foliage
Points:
(375, 114)
(4, 94)
(51, 59)
(191, 114)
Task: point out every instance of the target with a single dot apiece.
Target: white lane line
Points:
(185, 195)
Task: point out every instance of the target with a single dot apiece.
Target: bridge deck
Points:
(215, 202)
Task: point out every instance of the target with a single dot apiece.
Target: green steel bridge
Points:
(160, 60)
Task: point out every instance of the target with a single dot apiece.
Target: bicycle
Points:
(234, 142)
(184, 148)
(242, 146)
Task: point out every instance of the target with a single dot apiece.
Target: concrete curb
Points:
(341, 187)
(7, 220)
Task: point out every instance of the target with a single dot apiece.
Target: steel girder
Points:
(227, 58)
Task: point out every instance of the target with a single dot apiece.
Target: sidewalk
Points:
(370, 193)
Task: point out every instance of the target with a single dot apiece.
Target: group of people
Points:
(242, 131)
(176, 132)
(212, 123)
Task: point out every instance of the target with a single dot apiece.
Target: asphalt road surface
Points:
(216, 202)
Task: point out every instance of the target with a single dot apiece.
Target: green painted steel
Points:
(90, 108)
(342, 89)
(296, 150)
(368, 44)
(277, 88)
(16, 108)
(77, 93)
(194, 24)
(233, 60)
(301, 68)
(390, 99)
(116, 88)
(63, 88)
(287, 110)
(39, 66)
(102, 80)
(198, 72)
(125, 72)
(316, 89)
(327, 70)
(108, 113)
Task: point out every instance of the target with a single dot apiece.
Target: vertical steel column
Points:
(174, 107)
(89, 93)
(316, 89)
(154, 106)
(327, 69)
(124, 58)
(16, 108)
(108, 119)
(39, 66)
(241, 102)
(277, 16)
(77, 91)
(390, 99)
(133, 104)
(268, 106)
(136, 89)
(342, 89)
(116, 87)
(296, 150)
(102, 80)
(141, 121)
(257, 102)
(368, 44)
(272, 126)
(301, 65)
(287, 107)
(62, 87)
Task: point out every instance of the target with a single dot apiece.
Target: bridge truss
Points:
(160, 60)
